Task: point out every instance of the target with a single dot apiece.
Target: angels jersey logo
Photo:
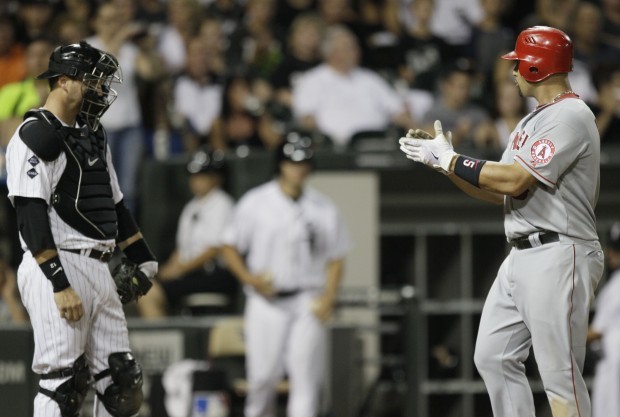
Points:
(542, 151)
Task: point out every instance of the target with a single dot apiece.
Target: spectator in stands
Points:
(607, 108)
(68, 30)
(229, 12)
(78, 10)
(340, 99)
(509, 108)
(589, 51)
(587, 34)
(454, 106)
(215, 45)
(611, 23)
(243, 123)
(255, 45)
(34, 19)
(302, 54)
(194, 265)
(378, 41)
(152, 12)
(454, 20)
(554, 13)
(422, 52)
(289, 10)
(19, 97)
(490, 40)
(197, 97)
(337, 12)
(184, 17)
(12, 55)
(123, 121)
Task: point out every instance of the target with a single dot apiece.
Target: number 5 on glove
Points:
(131, 283)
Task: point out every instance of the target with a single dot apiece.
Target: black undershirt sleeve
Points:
(33, 224)
(127, 226)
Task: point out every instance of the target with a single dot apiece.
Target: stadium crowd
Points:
(238, 74)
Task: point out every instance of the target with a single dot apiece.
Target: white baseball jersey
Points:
(202, 223)
(103, 328)
(605, 398)
(291, 240)
(559, 145)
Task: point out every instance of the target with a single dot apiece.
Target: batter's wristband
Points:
(53, 270)
(469, 169)
(139, 252)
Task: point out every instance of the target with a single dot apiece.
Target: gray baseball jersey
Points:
(559, 145)
(542, 294)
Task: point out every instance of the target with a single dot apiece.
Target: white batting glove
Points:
(436, 153)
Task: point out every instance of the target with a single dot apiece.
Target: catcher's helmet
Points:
(542, 51)
(206, 161)
(95, 68)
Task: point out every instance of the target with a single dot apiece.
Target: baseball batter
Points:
(71, 215)
(548, 182)
(294, 244)
(606, 328)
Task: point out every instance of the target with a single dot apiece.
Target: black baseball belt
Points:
(544, 238)
(102, 256)
(286, 293)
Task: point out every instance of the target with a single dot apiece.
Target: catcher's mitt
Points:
(131, 283)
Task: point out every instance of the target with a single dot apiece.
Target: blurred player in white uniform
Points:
(71, 215)
(605, 328)
(194, 266)
(548, 182)
(287, 245)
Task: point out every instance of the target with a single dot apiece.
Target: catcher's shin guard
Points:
(123, 397)
(70, 394)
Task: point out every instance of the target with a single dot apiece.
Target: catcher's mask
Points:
(95, 68)
(542, 51)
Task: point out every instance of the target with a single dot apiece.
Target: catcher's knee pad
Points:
(123, 397)
(70, 394)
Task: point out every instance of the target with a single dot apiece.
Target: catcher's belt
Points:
(102, 256)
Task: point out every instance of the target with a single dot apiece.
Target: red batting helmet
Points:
(542, 51)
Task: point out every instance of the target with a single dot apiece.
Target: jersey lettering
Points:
(519, 140)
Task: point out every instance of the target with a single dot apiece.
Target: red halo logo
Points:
(542, 151)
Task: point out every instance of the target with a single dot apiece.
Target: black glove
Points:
(131, 283)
